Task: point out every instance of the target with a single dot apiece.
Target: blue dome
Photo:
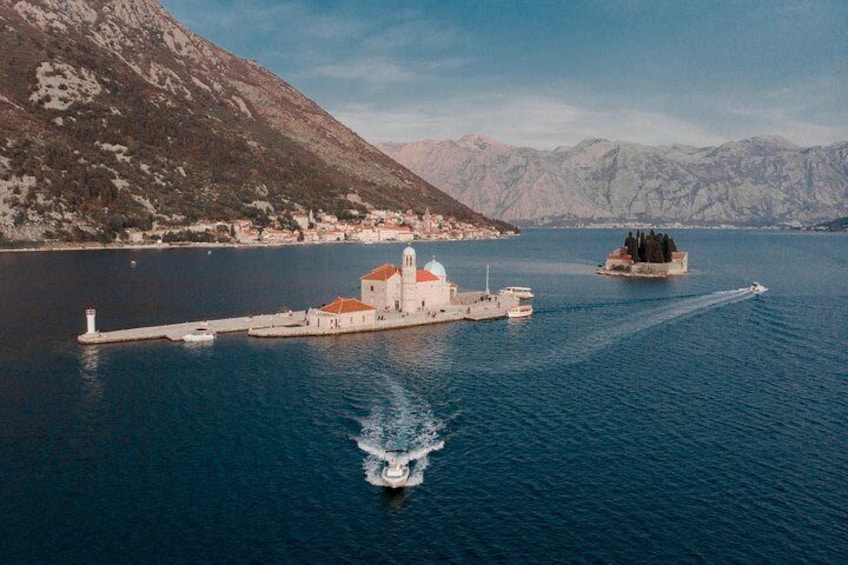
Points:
(437, 269)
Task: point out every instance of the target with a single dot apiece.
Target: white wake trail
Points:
(584, 346)
(404, 422)
(677, 310)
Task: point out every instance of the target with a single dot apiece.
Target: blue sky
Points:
(549, 73)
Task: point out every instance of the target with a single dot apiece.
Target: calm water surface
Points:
(626, 421)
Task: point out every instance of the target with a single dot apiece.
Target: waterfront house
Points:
(342, 313)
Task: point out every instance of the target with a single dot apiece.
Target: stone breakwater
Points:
(472, 306)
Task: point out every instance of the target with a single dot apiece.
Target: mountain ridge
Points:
(117, 117)
(759, 181)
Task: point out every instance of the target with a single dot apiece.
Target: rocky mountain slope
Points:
(754, 182)
(113, 116)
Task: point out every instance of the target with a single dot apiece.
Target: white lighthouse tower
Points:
(408, 298)
(90, 327)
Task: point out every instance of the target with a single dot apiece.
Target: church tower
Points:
(408, 296)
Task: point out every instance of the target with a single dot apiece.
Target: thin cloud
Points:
(380, 71)
(537, 122)
(700, 75)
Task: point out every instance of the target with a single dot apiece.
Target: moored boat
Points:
(519, 311)
(200, 334)
(522, 292)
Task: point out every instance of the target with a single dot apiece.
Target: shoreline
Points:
(611, 273)
(203, 245)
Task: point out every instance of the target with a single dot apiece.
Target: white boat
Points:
(200, 334)
(519, 311)
(396, 472)
(523, 292)
(757, 288)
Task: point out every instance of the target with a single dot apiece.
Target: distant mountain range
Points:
(762, 181)
(113, 116)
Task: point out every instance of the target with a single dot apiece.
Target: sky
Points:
(550, 73)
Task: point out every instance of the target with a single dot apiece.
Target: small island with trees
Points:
(651, 255)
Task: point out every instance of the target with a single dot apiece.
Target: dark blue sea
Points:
(678, 421)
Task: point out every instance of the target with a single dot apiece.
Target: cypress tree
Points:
(653, 251)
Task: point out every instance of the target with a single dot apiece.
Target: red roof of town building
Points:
(346, 306)
(382, 273)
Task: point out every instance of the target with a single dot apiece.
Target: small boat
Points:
(396, 472)
(519, 311)
(200, 334)
(523, 292)
(757, 288)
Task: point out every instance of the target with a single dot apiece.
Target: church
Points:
(407, 288)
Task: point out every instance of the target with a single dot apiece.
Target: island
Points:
(391, 297)
(651, 255)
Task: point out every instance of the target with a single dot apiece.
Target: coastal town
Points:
(319, 227)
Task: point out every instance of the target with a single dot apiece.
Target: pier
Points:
(391, 298)
(471, 306)
(175, 332)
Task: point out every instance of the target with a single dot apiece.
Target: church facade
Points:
(407, 288)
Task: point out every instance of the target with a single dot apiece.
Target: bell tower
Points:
(408, 296)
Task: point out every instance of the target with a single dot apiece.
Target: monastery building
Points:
(408, 288)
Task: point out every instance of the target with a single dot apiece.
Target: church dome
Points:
(437, 269)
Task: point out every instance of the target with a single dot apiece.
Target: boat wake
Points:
(675, 310)
(404, 422)
(661, 311)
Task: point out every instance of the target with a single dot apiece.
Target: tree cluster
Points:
(650, 248)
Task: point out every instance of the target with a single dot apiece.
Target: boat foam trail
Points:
(404, 422)
(678, 309)
(665, 310)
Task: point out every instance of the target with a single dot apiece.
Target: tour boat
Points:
(522, 292)
(757, 288)
(200, 334)
(396, 472)
(519, 311)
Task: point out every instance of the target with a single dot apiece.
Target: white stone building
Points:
(342, 313)
(407, 288)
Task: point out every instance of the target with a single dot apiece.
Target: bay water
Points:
(626, 421)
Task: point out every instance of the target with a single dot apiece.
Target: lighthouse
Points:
(89, 321)
(408, 296)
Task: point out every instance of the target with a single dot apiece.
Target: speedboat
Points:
(522, 292)
(200, 334)
(396, 472)
(519, 311)
(757, 288)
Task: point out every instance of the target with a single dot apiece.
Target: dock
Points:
(468, 306)
(175, 332)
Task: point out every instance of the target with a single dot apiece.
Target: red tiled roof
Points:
(346, 306)
(425, 276)
(382, 273)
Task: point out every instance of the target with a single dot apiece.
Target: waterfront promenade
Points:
(472, 306)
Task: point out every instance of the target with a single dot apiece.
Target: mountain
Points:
(113, 116)
(754, 182)
(839, 224)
